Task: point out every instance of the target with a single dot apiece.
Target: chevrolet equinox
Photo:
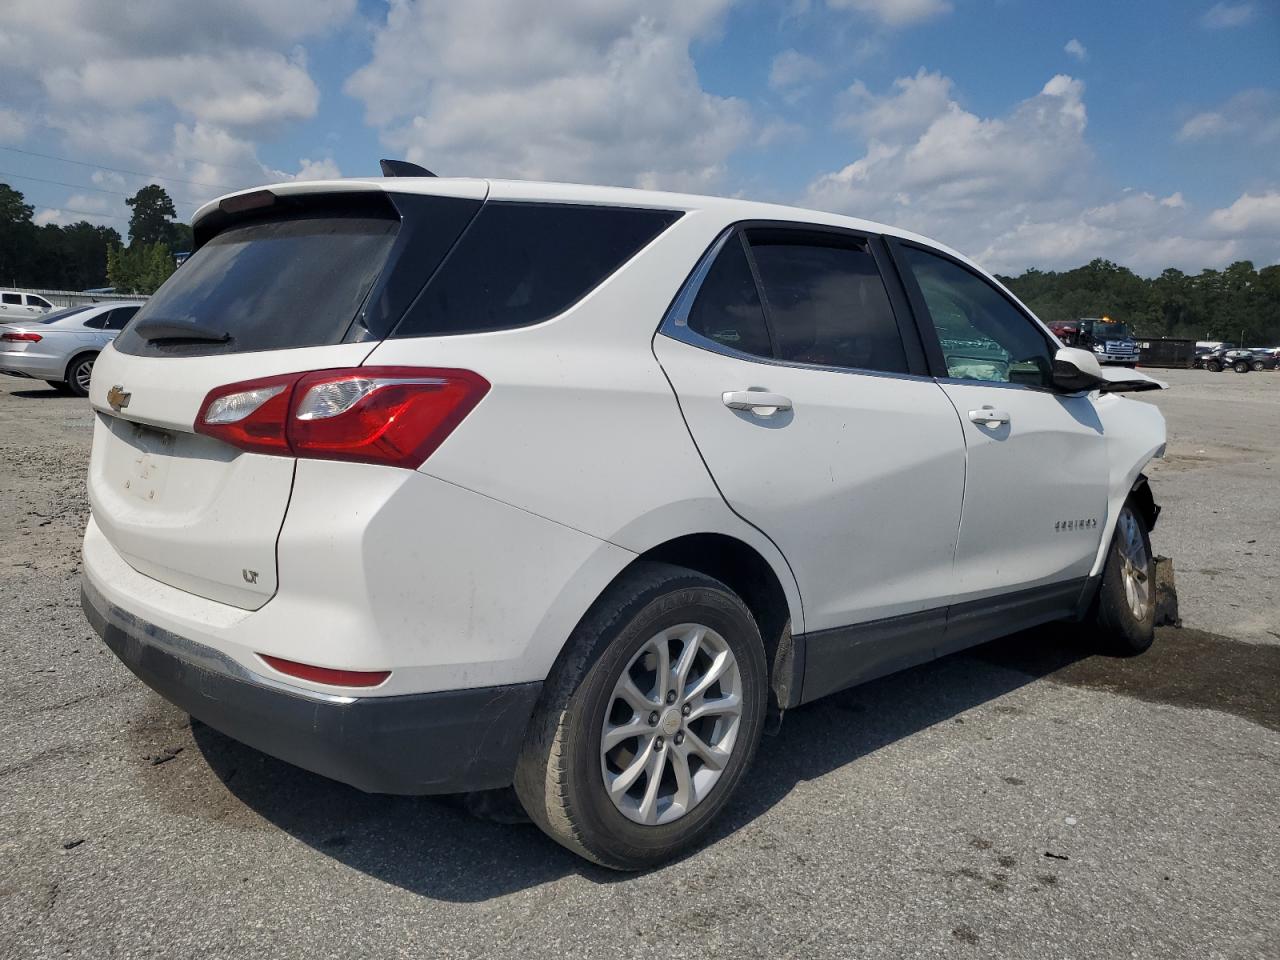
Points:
(441, 485)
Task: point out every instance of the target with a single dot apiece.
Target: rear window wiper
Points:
(153, 330)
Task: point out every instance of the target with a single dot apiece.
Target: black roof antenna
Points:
(403, 168)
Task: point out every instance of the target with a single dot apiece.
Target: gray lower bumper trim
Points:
(446, 742)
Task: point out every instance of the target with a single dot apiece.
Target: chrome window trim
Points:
(675, 323)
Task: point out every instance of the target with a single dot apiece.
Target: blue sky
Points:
(1024, 133)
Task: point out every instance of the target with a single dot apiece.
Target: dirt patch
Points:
(1185, 668)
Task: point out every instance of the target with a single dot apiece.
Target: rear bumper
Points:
(39, 366)
(445, 742)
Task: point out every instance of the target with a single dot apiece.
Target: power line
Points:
(84, 186)
(221, 166)
(132, 173)
(87, 213)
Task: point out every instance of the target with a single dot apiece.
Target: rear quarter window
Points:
(521, 263)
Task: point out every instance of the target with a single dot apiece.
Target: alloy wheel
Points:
(83, 374)
(1135, 565)
(671, 724)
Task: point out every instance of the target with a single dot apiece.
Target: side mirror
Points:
(1075, 370)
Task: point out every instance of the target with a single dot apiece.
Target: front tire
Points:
(1257, 365)
(1241, 366)
(1213, 366)
(1125, 614)
(648, 721)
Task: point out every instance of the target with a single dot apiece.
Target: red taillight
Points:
(336, 678)
(29, 337)
(252, 415)
(396, 416)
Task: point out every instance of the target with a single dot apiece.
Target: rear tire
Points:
(1241, 366)
(1125, 611)
(79, 372)
(1257, 365)
(610, 804)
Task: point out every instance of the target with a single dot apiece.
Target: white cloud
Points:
(96, 208)
(1076, 49)
(792, 70)
(13, 128)
(1252, 215)
(1015, 190)
(916, 102)
(1252, 115)
(233, 88)
(1223, 15)
(323, 169)
(183, 90)
(599, 92)
(942, 155)
(895, 13)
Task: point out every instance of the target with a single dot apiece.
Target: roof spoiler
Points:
(403, 168)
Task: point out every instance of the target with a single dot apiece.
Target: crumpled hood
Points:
(1124, 380)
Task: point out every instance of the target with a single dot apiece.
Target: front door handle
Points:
(757, 401)
(988, 417)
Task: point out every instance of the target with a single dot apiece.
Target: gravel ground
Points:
(1025, 799)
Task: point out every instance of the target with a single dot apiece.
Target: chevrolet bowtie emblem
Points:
(118, 397)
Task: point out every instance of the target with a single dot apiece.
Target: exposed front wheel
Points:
(1241, 366)
(1126, 607)
(1214, 366)
(648, 721)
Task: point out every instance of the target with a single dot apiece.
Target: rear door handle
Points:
(988, 417)
(757, 401)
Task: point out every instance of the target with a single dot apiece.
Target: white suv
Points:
(435, 485)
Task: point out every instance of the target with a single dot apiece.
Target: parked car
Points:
(1264, 358)
(1225, 358)
(631, 472)
(61, 347)
(16, 306)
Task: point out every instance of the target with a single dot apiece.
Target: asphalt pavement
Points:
(1024, 799)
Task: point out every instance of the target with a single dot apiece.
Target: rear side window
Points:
(96, 323)
(727, 309)
(521, 263)
(11, 298)
(272, 284)
(826, 302)
(118, 317)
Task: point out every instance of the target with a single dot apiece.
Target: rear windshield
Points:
(273, 284)
(63, 314)
(522, 263)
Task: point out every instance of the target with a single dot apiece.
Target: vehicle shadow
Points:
(40, 393)
(432, 847)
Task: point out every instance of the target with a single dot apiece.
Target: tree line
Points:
(1239, 304)
(84, 255)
